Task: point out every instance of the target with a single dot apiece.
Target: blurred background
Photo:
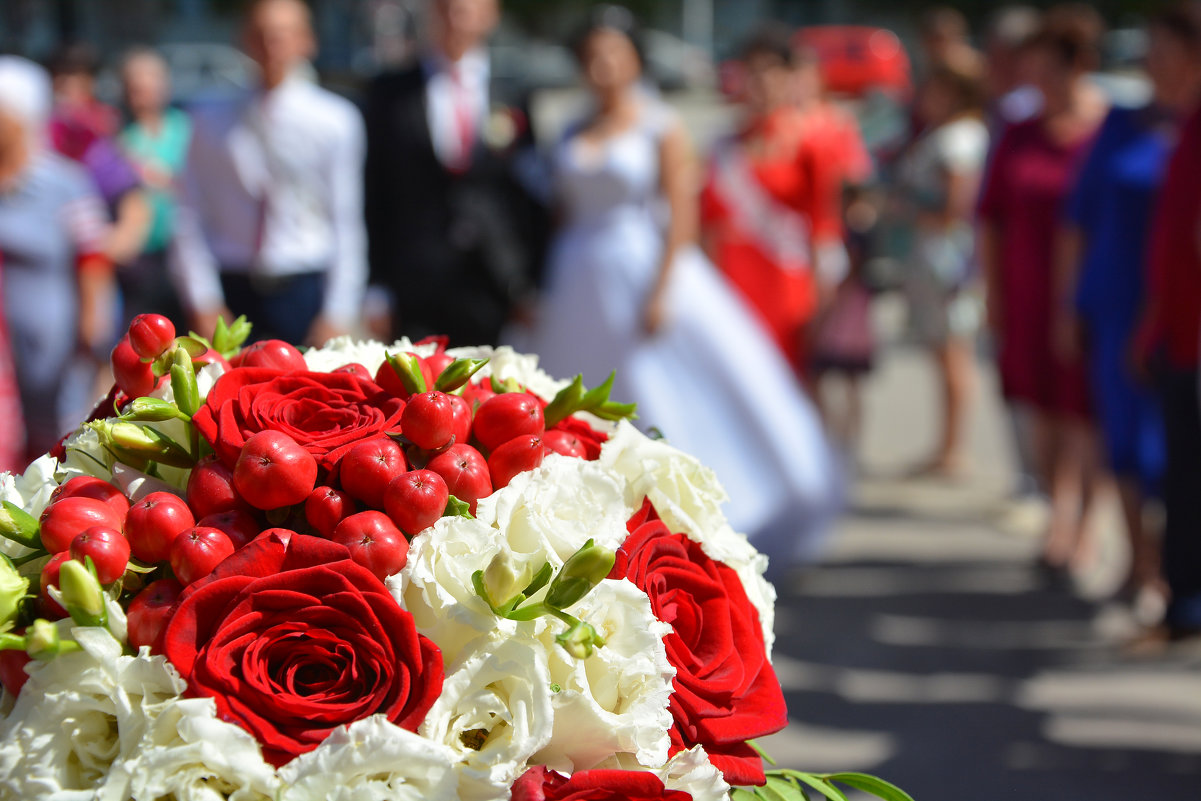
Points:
(945, 633)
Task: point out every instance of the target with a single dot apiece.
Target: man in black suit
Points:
(455, 237)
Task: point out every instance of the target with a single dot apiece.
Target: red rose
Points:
(293, 639)
(589, 437)
(540, 784)
(725, 691)
(327, 413)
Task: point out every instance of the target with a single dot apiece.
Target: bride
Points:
(628, 290)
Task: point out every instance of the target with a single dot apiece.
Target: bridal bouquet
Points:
(370, 572)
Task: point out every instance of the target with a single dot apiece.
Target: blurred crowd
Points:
(732, 291)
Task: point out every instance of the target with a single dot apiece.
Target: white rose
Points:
(436, 588)
(688, 771)
(557, 507)
(79, 714)
(344, 350)
(616, 699)
(692, 772)
(688, 498)
(494, 713)
(191, 755)
(506, 363)
(30, 491)
(372, 760)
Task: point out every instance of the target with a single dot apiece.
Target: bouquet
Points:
(377, 572)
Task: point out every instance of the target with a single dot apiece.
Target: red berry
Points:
(151, 335)
(211, 488)
(150, 610)
(374, 542)
(108, 550)
(273, 471)
(428, 420)
(389, 381)
(70, 516)
(197, 551)
(507, 416)
(515, 456)
(238, 524)
(564, 442)
(49, 578)
(477, 393)
(465, 472)
(273, 353)
(354, 368)
(134, 376)
(210, 356)
(415, 500)
(153, 524)
(462, 418)
(91, 487)
(436, 363)
(12, 670)
(368, 468)
(326, 507)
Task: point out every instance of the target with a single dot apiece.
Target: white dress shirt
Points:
(447, 85)
(273, 186)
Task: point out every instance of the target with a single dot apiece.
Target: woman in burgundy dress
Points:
(1021, 210)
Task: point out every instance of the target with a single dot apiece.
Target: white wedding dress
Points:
(709, 380)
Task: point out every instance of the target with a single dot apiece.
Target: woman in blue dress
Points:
(1108, 220)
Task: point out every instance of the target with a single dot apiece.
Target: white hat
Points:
(25, 92)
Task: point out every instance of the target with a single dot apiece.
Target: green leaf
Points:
(743, 794)
(763, 754)
(871, 784)
(228, 340)
(779, 788)
(820, 784)
(457, 508)
(565, 403)
(596, 396)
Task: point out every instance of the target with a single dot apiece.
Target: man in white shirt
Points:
(270, 221)
(455, 234)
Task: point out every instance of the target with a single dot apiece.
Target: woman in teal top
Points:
(156, 141)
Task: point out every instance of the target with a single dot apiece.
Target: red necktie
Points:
(464, 120)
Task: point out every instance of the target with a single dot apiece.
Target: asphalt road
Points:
(926, 649)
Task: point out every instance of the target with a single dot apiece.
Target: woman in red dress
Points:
(763, 212)
(1021, 211)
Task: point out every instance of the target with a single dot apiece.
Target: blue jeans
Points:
(278, 308)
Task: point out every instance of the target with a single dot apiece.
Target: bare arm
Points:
(677, 186)
(988, 246)
(1069, 247)
(129, 231)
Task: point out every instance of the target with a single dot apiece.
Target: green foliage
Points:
(795, 785)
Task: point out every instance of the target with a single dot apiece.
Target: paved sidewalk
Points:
(926, 649)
